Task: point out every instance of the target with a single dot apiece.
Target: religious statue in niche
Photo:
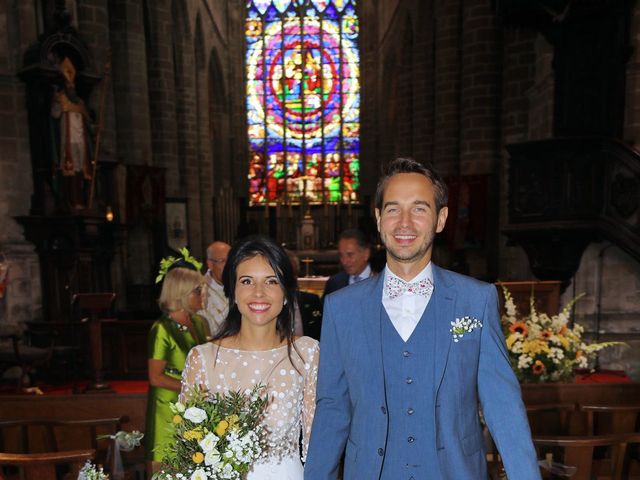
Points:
(72, 131)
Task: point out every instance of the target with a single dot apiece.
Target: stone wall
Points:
(610, 308)
(21, 301)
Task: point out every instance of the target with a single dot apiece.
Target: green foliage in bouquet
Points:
(543, 348)
(215, 436)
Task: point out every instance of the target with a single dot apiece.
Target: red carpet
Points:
(119, 386)
(602, 376)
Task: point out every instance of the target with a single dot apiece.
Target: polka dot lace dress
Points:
(291, 388)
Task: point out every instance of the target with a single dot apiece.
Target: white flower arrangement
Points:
(126, 441)
(464, 325)
(215, 436)
(91, 472)
(543, 348)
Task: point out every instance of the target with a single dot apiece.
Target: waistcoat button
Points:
(381, 451)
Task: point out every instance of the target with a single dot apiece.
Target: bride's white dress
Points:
(292, 393)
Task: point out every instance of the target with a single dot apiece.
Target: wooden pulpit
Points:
(546, 295)
(93, 304)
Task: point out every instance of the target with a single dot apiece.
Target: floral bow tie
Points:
(394, 287)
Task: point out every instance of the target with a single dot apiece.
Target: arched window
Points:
(303, 101)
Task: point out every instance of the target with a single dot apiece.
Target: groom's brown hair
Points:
(409, 165)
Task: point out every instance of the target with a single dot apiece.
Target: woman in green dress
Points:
(170, 339)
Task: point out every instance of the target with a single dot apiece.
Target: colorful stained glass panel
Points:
(303, 101)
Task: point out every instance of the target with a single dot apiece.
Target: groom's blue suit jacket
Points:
(473, 371)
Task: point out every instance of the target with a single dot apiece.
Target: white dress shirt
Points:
(406, 310)
(216, 305)
(364, 274)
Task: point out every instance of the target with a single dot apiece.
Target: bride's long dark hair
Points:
(275, 255)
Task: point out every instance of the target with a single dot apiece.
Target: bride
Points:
(256, 345)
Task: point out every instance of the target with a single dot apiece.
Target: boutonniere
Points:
(464, 325)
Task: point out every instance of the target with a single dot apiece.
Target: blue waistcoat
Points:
(409, 377)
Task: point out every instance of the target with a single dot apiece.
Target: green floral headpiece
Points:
(168, 262)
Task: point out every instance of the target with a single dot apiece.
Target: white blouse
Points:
(292, 393)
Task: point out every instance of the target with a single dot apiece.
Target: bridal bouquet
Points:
(543, 348)
(215, 436)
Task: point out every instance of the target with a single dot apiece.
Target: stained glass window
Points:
(303, 101)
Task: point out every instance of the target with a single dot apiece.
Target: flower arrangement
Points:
(215, 436)
(90, 472)
(543, 348)
(126, 441)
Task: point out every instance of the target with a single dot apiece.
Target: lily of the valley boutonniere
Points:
(464, 325)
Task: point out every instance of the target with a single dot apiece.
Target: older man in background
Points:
(216, 304)
(354, 250)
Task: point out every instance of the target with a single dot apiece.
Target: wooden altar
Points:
(592, 393)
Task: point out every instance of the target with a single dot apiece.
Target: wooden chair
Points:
(550, 418)
(603, 419)
(25, 356)
(47, 435)
(617, 419)
(631, 468)
(42, 466)
(577, 451)
(65, 340)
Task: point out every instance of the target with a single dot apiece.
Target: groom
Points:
(396, 388)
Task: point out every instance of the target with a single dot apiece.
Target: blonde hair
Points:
(177, 285)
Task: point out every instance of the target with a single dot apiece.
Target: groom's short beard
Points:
(418, 254)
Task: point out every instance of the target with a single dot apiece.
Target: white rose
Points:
(195, 414)
(209, 442)
(198, 474)
(179, 407)
(212, 458)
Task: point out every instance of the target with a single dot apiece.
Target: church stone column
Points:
(447, 85)
(162, 98)
(187, 124)
(423, 68)
(21, 300)
(93, 27)
(480, 88)
(203, 141)
(129, 77)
